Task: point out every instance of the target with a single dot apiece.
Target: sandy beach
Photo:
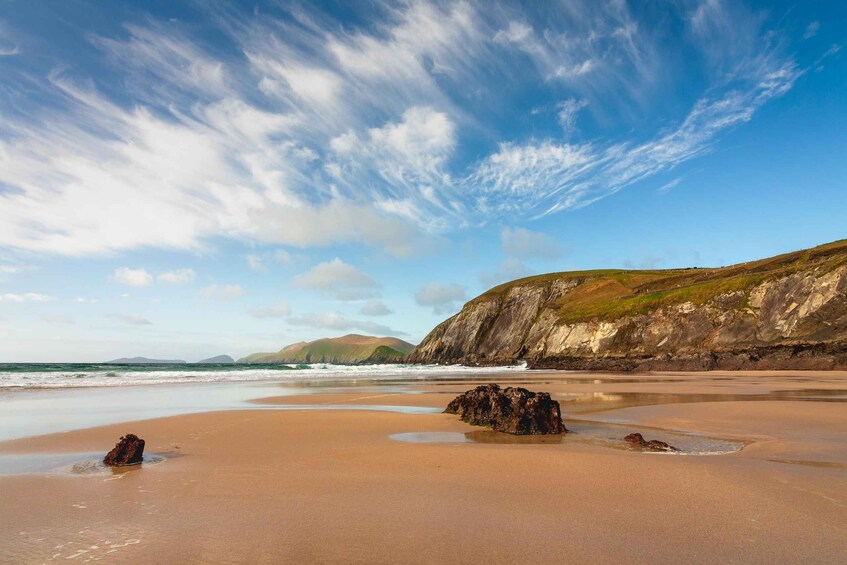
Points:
(316, 483)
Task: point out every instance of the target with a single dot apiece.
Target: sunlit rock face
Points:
(786, 312)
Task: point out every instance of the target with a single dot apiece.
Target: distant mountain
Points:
(219, 360)
(347, 350)
(145, 361)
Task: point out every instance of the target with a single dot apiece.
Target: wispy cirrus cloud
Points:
(306, 132)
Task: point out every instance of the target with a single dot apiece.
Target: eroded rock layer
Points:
(786, 312)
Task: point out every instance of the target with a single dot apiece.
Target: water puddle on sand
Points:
(355, 407)
(595, 433)
(69, 464)
(585, 402)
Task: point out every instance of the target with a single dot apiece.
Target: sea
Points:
(78, 375)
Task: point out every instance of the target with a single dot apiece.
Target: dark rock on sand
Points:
(511, 410)
(128, 451)
(652, 445)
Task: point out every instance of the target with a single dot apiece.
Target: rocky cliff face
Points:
(787, 312)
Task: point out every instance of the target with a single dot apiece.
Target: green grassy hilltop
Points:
(348, 349)
(612, 294)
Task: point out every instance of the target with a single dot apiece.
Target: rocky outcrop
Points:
(511, 410)
(787, 312)
(128, 451)
(638, 440)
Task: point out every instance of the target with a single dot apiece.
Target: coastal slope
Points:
(345, 350)
(785, 312)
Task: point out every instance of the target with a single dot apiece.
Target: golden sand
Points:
(314, 486)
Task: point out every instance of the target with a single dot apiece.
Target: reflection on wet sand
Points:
(596, 433)
(70, 463)
(584, 403)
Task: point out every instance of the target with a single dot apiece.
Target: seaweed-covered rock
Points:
(128, 451)
(652, 445)
(512, 410)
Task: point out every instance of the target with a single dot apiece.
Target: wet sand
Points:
(309, 485)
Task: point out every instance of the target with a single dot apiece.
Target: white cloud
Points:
(256, 263)
(442, 298)
(668, 186)
(568, 112)
(556, 177)
(8, 47)
(315, 133)
(283, 256)
(131, 319)
(179, 276)
(510, 269)
(375, 308)
(223, 291)
(811, 30)
(338, 322)
(281, 310)
(259, 261)
(25, 297)
(336, 277)
(15, 269)
(523, 243)
(132, 277)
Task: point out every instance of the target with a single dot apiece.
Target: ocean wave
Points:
(54, 376)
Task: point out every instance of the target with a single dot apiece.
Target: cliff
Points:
(346, 350)
(786, 312)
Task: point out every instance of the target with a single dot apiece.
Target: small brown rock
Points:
(128, 451)
(652, 445)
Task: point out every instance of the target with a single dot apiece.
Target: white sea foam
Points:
(109, 376)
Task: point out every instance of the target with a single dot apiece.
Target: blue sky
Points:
(183, 179)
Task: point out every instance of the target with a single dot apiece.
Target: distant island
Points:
(145, 361)
(219, 360)
(346, 350)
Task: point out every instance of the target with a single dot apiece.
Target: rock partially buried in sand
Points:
(652, 445)
(511, 410)
(128, 451)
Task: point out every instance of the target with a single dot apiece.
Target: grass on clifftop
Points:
(349, 349)
(612, 294)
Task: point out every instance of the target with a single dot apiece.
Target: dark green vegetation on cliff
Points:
(349, 349)
(788, 311)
